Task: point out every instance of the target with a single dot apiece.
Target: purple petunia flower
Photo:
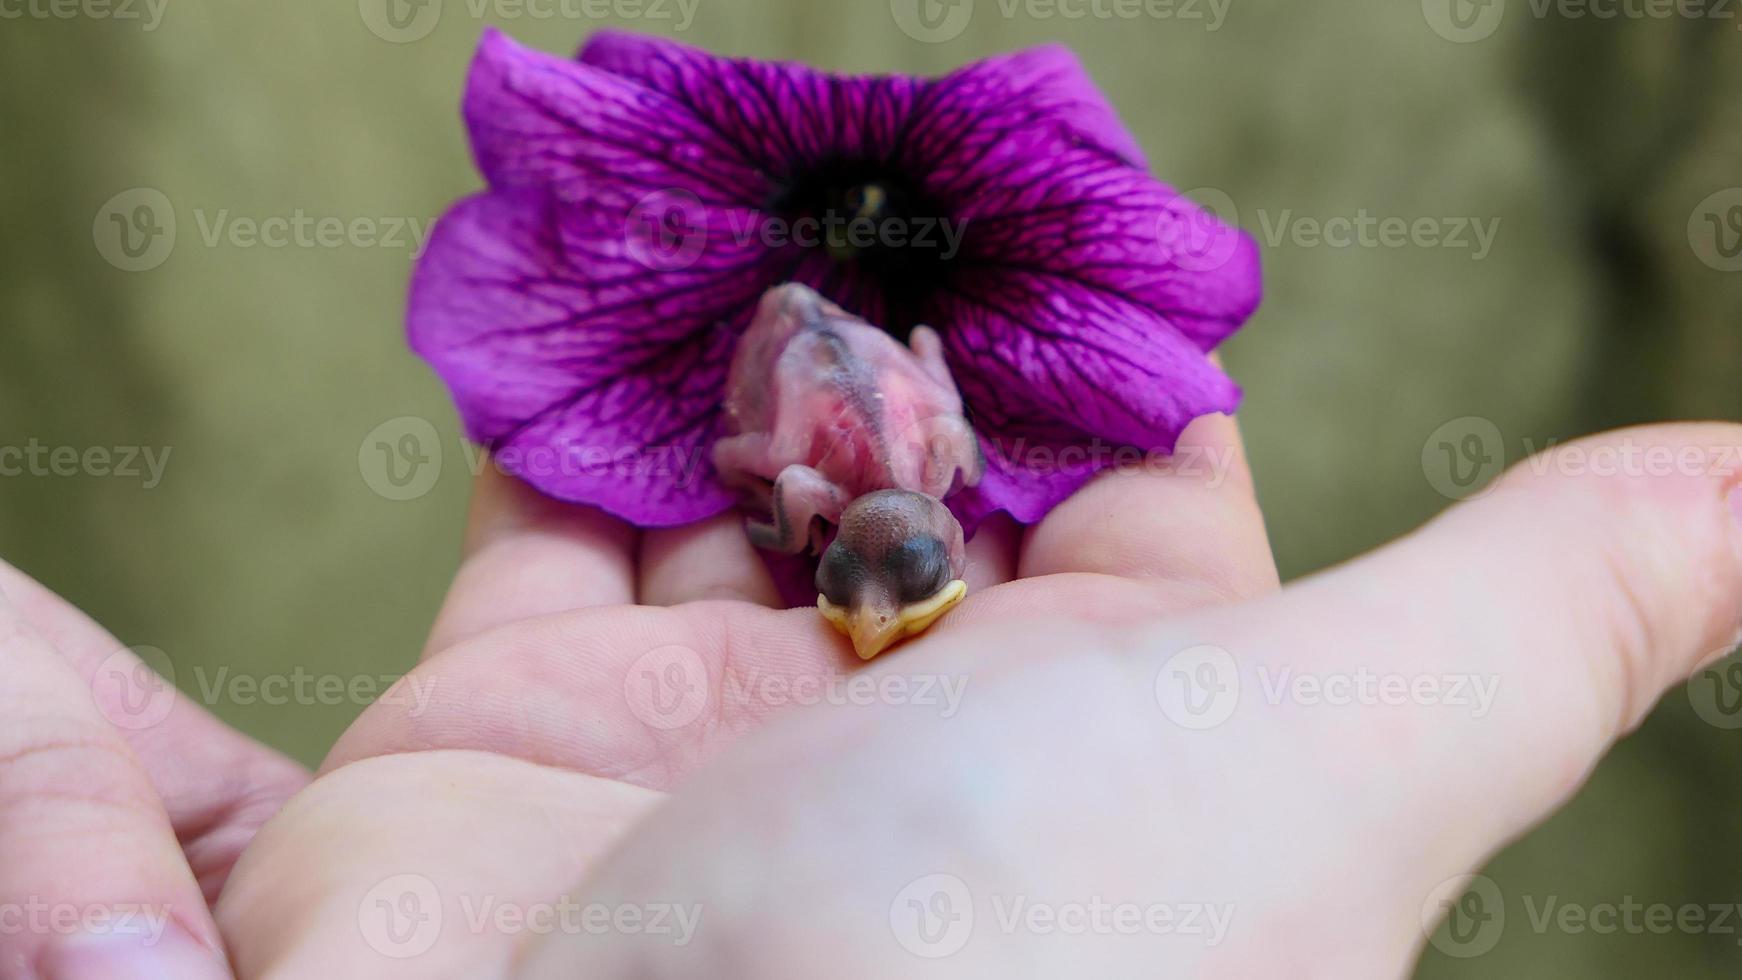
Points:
(584, 308)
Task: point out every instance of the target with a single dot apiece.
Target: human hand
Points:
(1326, 831)
(1268, 835)
(556, 712)
(123, 806)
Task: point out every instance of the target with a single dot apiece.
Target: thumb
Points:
(93, 884)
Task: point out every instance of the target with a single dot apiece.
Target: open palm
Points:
(614, 722)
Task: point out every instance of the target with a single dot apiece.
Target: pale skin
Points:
(535, 772)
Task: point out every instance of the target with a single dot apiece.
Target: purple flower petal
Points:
(783, 115)
(1041, 203)
(586, 307)
(1046, 351)
(1079, 314)
(1040, 90)
(588, 135)
(1025, 476)
(593, 376)
(1044, 86)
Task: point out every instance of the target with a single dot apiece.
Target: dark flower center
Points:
(888, 236)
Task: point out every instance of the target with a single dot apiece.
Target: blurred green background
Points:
(1601, 154)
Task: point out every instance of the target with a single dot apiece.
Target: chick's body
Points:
(822, 408)
(833, 423)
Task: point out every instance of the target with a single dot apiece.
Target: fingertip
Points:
(528, 555)
(503, 506)
(992, 552)
(1189, 519)
(711, 559)
(150, 946)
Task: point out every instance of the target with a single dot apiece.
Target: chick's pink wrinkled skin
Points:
(823, 408)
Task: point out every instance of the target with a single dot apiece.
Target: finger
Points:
(709, 560)
(217, 786)
(641, 694)
(387, 885)
(528, 555)
(992, 553)
(1187, 521)
(1526, 632)
(91, 873)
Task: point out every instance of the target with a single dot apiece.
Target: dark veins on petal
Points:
(1002, 203)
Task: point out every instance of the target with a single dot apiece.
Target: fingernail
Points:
(140, 950)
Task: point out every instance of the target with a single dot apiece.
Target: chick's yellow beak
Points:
(874, 629)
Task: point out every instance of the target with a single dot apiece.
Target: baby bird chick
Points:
(832, 421)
